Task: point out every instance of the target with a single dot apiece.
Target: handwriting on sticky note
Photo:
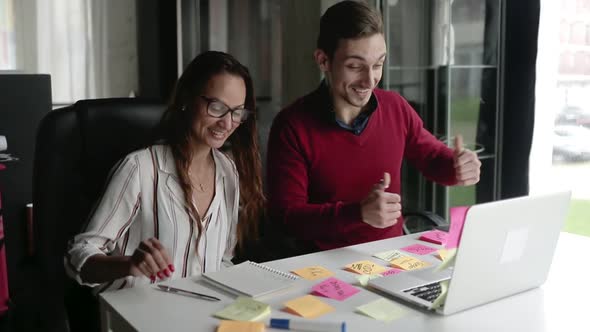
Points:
(313, 272)
(409, 263)
(391, 272)
(363, 279)
(335, 289)
(308, 306)
(238, 326)
(419, 249)
(389, 255)
(382, 309)
(365, 267)
(244, 309)
(436, 236)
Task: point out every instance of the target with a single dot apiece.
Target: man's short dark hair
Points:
(347, 20)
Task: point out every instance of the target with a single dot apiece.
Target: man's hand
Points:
(467, 165)
(381, 209)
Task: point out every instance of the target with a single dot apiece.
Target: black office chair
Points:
(75, 149)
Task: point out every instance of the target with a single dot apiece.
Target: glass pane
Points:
(90, 53)
(473, 108)
(408, 25)
(475, 28)
(7, 33)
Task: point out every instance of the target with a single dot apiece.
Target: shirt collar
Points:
(324, 101)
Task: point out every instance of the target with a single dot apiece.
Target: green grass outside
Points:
(578, 219)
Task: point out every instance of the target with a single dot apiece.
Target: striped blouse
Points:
(143, 199)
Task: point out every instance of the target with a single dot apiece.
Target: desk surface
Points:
(559, 305)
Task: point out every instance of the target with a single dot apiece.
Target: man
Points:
(335, 155)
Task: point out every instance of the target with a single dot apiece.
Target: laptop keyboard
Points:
(426, 292)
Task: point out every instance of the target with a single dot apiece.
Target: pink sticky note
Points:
(391, 272)
(419, 249)
(435, 236)
(335, 289)
(457, 215)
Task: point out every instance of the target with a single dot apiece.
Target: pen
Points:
(312, 326)
(170, 289)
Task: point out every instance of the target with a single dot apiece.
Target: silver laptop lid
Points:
(506, 247)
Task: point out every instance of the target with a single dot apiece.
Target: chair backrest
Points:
(76, 148)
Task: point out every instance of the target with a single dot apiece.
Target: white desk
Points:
(561, 304)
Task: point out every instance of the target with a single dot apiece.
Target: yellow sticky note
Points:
(442, 253)
(440, 300)
(236, 326)
(382, 310)
(313, 272)
(365, 267)
(364, 278)
(448, 261)
(308, 306)
(244, 309)
(409, 263)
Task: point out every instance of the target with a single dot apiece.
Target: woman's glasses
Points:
(218, 109)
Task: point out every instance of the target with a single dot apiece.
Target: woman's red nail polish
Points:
(160, 275)
(153, 278)
(171, 267)
(167, 273)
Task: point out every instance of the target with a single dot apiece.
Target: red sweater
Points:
(319, 172)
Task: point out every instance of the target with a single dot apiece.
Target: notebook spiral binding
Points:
(275, 271)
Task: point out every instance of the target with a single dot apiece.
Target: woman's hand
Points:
(152, 260)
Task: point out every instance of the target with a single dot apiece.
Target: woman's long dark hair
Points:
(176, 130)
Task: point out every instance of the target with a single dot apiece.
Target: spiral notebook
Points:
(251, 279)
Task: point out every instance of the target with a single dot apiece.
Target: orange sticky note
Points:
(313, 272)
(409, 263)
(238, 326)
(365, 267)
(308, 306)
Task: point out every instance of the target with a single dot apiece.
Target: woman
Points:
(171, 210)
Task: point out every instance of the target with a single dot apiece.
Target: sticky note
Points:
(440, 300)
(308, 306)
(391, 272)
(335, 289)
(382, 309)
(244, 309)
(419, 249)
(237, 326)
(443, 254)
(457, 216)
(389, 255)
(313, 272)
(436, 236)
(363, 279)
(365, 267)
(409, 263)
(449, 260)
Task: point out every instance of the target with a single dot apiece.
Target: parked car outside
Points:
(571, 143)
(573, 115)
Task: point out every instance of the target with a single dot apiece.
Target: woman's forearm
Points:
(102, 268)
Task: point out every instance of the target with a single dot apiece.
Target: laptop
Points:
(506, 247)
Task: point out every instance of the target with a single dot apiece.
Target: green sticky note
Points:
(383, 310)
(244, 309)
